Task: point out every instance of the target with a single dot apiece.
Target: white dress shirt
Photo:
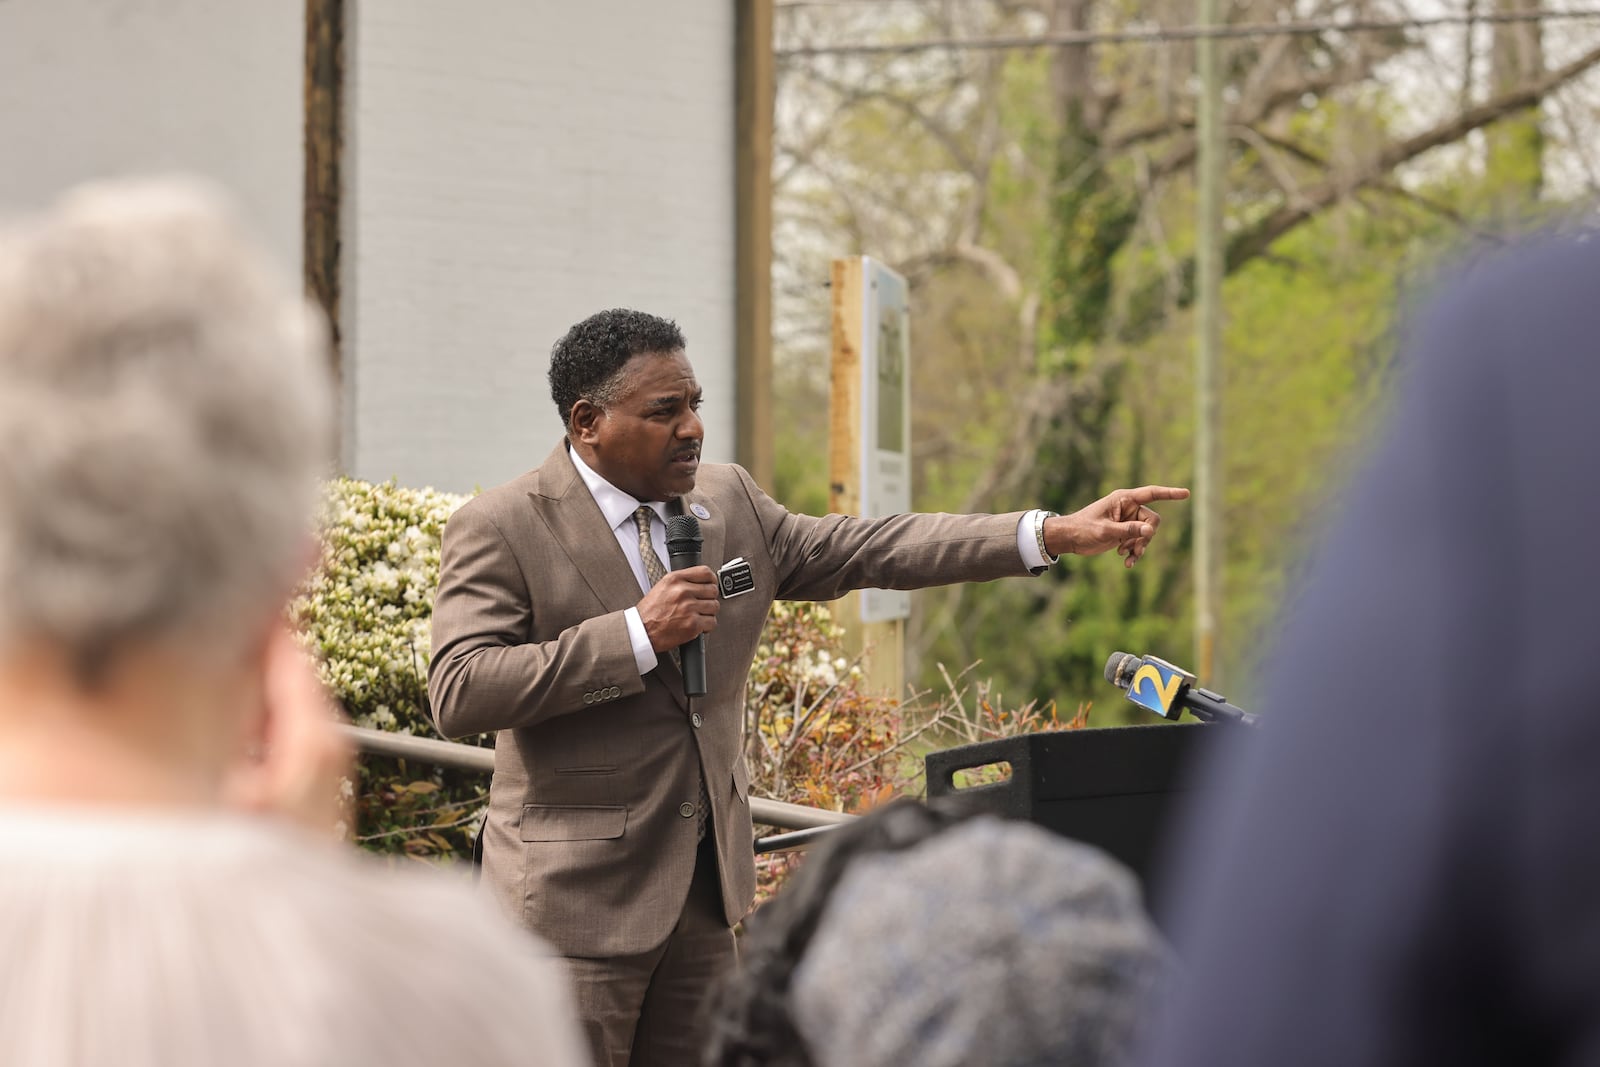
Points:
(618, 508)
(1028, 541)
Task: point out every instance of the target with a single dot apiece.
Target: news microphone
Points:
(1166, 689)
(683, 548)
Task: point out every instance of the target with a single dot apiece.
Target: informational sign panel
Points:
(885, 434)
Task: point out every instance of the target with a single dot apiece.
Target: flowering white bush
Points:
(367, 614)
(368, 610)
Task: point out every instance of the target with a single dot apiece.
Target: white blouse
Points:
(146, 939)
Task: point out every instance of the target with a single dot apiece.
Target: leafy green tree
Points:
(1041, 204)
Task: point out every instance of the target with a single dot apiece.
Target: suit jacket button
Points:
(686, 810)
(588, 698)
(616, 692)
(697, 720)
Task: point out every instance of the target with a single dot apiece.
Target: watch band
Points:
(1039, 518)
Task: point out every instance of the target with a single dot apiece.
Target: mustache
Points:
(690, 452)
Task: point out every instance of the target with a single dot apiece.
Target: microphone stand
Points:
(1207, 706)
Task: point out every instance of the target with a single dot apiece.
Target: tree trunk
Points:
(1514, 164)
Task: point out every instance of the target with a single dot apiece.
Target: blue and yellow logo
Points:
(1157, 685)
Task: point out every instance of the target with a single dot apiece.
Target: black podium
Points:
(1116, 788)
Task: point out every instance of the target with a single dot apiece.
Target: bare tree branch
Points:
(938, 131)
(991, 264)
(1388, 186)
(1268, 153)
(987, 144)
(1254, 240)
(1281, 97)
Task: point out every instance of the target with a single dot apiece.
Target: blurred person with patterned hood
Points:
(914, 936)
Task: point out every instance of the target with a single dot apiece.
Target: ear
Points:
(585, 421)
(258, 650)
(253, 665)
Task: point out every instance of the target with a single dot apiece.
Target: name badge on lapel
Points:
(734, 578)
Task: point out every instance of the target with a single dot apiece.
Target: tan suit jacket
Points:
(590, 839)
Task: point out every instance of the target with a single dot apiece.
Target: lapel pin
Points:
(700, 511)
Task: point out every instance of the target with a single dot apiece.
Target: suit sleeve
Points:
(485, 674)
(825, 557)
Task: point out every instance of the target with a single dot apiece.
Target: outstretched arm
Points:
(819, 558)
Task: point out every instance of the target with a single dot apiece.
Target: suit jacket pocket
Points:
(741, 779)
(551, 822)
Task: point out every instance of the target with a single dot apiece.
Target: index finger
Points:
(1147, 494)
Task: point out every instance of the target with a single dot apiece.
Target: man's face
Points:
(647, 442)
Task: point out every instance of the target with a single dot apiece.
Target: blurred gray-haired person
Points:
(165, 749)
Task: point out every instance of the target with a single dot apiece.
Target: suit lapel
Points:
(575, 520)
(713, 529)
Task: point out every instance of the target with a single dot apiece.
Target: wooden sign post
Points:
(869, 449)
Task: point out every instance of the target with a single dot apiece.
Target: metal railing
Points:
(808, 823)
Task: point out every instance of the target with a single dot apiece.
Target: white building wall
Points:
(90, 88)
(511, 167)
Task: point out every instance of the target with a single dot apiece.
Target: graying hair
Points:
(165, 412)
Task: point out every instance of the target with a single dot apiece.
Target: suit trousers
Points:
(649, 1010)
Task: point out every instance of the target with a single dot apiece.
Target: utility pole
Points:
(1208, 345)
(324, 134)
(753, 116)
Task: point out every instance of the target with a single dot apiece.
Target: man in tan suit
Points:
(619, 820)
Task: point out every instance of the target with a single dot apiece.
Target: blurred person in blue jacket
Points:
(1403, 871)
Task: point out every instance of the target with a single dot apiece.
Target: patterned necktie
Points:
(654, 571)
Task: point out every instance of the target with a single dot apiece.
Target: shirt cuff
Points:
(1028, 542)
(643, 655)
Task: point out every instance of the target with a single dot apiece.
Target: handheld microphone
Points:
(1166, 689)
(683, 548)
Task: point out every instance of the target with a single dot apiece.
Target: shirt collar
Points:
(618, 507)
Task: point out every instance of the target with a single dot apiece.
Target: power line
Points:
(1181, 33)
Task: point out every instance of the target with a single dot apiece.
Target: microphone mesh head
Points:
(683, 528)
(1115, 665)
